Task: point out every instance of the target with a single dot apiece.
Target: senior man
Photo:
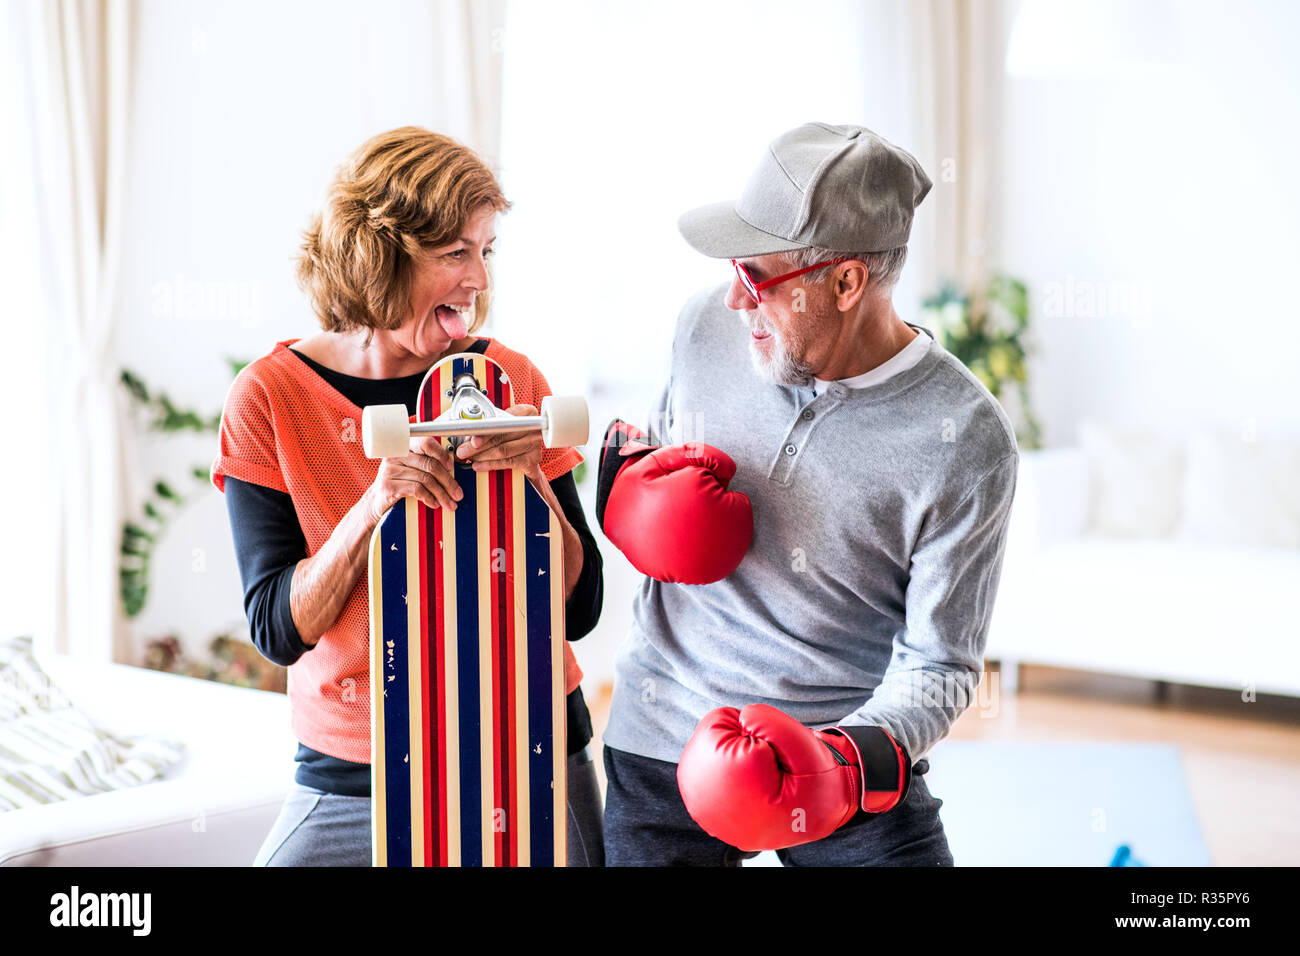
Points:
(878, 474)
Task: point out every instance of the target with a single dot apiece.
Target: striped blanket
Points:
(49, 750)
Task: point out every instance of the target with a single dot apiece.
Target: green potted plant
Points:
(988, 333)
(140, 536)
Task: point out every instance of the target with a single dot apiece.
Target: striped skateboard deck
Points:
(467, 669)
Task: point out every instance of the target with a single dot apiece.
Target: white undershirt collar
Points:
(905, 358)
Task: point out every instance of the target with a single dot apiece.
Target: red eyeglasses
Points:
(755, 289)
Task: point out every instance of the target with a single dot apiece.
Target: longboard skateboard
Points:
(468, 741)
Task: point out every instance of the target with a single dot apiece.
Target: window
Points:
(27, 509)
(619, 117)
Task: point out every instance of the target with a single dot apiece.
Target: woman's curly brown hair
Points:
(402, 193)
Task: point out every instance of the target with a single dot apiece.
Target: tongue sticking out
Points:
(452, 322)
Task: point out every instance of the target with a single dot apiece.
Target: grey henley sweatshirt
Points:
(880, 520)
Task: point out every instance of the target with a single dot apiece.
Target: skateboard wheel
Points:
(564, 421)
(385, 431)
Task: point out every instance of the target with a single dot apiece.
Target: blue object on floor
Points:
(1124, 857)
(1014, 803)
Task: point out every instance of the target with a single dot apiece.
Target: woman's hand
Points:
(523, 450)
(519, 450)
(427, 473)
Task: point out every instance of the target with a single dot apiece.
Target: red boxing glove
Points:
(668, 508)
(758, 779)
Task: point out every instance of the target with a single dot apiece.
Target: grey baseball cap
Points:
(841, 188)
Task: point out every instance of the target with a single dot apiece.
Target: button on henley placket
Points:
(797, 436)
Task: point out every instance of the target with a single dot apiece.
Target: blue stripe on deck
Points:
(397, 743)
(537, 521)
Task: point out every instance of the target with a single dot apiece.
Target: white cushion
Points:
(50, 750)
(1135, 478)
(1242, 492)
(1051, 501)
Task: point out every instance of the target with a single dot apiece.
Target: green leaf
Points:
(164, 490)
(133, 601)
(134, 588)
(1000, 361)
(1013, 296)
(131, 546)
(189, 421)
(130, 529)
(135, 386)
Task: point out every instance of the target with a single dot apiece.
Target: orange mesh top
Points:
(281, 428)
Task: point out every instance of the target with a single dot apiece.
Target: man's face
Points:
(793, 328)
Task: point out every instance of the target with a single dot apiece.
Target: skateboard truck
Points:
(386, 430)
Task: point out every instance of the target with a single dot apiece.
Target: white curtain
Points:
(471, 39)
(957, 64)
(79, 75)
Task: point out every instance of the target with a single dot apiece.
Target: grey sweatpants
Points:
(315, 828)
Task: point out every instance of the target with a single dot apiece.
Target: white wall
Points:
(1172, 189)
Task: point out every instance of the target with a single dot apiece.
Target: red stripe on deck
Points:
(435, 810)
(500, 646)
(503, 671)
(501, 675)
(426, 691)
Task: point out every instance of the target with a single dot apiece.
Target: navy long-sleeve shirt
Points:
(269, 543)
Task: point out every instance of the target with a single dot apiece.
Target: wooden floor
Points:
(1242, 758)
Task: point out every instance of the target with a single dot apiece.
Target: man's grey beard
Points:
(778, 366)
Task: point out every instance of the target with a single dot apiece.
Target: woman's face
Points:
(444, 287)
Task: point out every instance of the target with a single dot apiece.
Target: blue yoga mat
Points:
(1012, 803)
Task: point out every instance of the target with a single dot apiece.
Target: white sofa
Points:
(1173, 607)
(213, 809)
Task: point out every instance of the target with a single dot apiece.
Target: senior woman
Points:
(396, 268)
